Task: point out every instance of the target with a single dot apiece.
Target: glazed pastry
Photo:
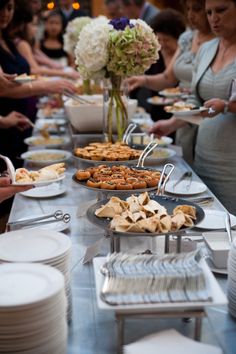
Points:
(108, 185)
(93, 183)
(140, 185)
(82, 175)
(124, 186)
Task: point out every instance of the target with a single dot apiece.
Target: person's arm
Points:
(6, 80)
(37, 88)
(15, 119)
(26, 51)
(166, 126)
(7, 190)
(156, 82)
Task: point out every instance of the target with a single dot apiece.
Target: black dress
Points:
(11, 140)
(53, 53)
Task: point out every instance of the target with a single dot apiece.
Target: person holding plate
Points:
(180, 69)
(214, 69)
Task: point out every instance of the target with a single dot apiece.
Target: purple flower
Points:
(121, 23)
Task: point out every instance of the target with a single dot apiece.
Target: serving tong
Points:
(10, 168)
(58, 215)
(78, 98)
(164, 179)
(148, 149)
(128, 132)
(185, 175)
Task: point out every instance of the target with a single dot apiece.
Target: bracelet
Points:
(226, 107)
(146, 81)
(30, 88)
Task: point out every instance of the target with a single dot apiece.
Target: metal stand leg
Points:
(167, 243)
(120, 333)
(112, 242)
(198, 328)
(117, 243)
(178, 244)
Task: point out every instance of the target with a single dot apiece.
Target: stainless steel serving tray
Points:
(168, 202)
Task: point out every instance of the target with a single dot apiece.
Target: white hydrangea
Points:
(91, 51)
(72, 33)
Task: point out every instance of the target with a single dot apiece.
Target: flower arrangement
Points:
(72, 33)
(116, 49)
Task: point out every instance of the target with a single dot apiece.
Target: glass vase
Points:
(115, 109)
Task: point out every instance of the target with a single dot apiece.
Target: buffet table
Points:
(93, 330)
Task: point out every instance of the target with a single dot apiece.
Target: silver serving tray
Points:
(168, 202)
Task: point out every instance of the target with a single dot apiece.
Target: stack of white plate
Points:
(232, 279)
(39, 246)
(32, 309)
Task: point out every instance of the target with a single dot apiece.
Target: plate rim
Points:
(184, 194)
(166, 94)
(91, 218)
(189, 113)
(65, 141)
(63, 188)
(219, 212)
(150, 101)
(26, 154)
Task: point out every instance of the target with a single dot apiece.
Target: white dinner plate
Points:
(215, 219)
(168, 93)
(159, 101)
(53, 190)
(182, 187)
(31, 141)
(160, 155)
(23, 284)
(191, 112)
(46, 156)
(144, 139)
(27, 246)
(40, 183)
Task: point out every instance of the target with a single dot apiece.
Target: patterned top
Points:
(184, 64)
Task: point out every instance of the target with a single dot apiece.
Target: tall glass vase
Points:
(115, 109)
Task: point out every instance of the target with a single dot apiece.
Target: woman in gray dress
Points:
(215, 67)
(180, 69)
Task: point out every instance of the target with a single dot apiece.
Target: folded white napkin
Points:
(169, 342)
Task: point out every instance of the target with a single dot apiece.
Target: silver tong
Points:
(78, 98)
(57, 216)
(163, 180)
(185, 175)
(228, 227)
(151, 146)
(128, 132)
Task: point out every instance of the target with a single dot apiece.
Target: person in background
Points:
(35, 6)
(67, 11)
(139, 9)
(113, 8)
(52, 41)
(168, 25)
(180, 69)
(22, 30)
(214, 69)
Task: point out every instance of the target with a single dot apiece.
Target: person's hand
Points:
(135, 81)
(72, 74)
(162, 128)
(15, 119)
(59, 86)
(6, 81)
(7, 190)
(215, 106)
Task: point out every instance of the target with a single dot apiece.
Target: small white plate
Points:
(160, 155)
(168, 93)
(25, 79)
(159, 101)
(182, 187)
(45, 192)
(191, 112)
(215, 219)
(31, 141)
(216, 270)
(46, 156)
(40, 183)
(144, 139)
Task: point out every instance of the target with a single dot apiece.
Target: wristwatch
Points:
(226, 107)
